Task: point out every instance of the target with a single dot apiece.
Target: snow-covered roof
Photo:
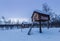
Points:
(41, 12)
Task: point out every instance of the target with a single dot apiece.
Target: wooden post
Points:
(48, 24)
(29, 31)
(40, 30)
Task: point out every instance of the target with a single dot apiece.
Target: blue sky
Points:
(24, 8)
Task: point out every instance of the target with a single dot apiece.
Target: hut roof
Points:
(40, 12)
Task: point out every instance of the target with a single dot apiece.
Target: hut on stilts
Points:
(39, 17)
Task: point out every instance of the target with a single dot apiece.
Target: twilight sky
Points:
(24, 8)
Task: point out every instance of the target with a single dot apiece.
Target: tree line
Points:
(54, 18)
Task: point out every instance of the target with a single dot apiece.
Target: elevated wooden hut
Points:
(38, 16)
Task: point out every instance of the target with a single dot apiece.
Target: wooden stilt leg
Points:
(29, 31)
(48, 24)
(40, 30)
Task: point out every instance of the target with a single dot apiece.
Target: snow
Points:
(20, 19)
(15, 20)
(51, 34)
(42, 12)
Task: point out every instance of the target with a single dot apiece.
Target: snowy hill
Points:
(15, 20)
(52, 34)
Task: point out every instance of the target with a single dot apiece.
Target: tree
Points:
(3, 17)
(46, 9)
(54, 18)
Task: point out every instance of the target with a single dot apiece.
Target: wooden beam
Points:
(48, 24)
(40, 29)
(30, 30)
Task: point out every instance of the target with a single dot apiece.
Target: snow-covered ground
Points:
(51, 34)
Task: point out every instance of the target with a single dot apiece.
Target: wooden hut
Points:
(38, 16)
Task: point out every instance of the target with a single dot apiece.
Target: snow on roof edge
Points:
(41, 12)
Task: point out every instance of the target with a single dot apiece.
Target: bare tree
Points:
(54, 18)
(46, 9)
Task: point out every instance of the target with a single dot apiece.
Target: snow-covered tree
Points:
(54, 18)
(46, 9)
